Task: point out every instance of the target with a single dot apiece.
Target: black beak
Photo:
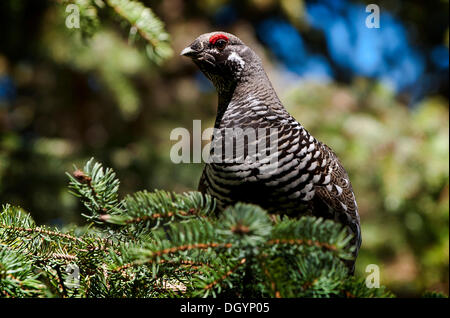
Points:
(189, 52)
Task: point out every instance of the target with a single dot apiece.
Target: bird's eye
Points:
(220, 44)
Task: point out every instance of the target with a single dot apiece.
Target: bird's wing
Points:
(338, 192)
(338, 197)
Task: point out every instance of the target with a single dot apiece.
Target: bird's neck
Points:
(238, 99)
(225, 98)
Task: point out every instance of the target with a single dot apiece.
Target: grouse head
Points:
(223, 58)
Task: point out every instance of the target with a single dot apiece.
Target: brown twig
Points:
(273, 284)
(42, 231)
(160, 215)
(170, 251)
(66, 257)
(231, 271)
(58, 271)
(303, 242)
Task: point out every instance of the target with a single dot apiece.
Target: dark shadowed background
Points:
(377, 96)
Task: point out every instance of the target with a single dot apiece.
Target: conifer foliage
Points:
(144, 26)
(162, 244)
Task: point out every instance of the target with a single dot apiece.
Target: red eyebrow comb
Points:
(217, 37)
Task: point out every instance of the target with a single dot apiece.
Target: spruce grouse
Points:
(308, 177)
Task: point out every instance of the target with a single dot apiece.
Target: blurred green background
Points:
(378, 97)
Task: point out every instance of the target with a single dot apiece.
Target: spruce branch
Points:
(97, 188)
(164, 244)
(150, 210)
(17, 278)
(144, 24)
(308, 234)
(226, 275)
(147, 25)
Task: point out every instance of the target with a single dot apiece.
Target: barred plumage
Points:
(308, 178)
